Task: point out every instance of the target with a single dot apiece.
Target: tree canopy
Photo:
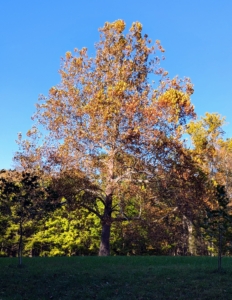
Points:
(111, 132)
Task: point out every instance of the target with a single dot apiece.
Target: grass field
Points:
(115, 278)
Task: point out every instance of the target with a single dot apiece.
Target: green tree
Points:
(218, 222)
(66, 233)
(28, 198)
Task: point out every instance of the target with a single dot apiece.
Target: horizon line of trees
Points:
(186, 210)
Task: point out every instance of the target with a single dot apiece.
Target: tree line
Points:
(106, 168)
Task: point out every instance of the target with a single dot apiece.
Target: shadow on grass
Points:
(115, 278)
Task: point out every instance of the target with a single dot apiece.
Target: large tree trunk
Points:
(106, 225)
(105, 240)
(106, 219)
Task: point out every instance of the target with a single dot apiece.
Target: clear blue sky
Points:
(197, 36)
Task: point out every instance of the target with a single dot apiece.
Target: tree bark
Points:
(104, 249)
(105, 240)
(20, 243)
(191, 238)
(219, 248)
(106, 220)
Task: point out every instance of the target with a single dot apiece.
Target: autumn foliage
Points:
(111, 132)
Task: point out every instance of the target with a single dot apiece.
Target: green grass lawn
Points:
(137, 277)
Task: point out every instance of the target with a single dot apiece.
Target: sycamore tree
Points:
(111, 121)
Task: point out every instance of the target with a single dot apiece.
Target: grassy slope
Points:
(115, 278)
